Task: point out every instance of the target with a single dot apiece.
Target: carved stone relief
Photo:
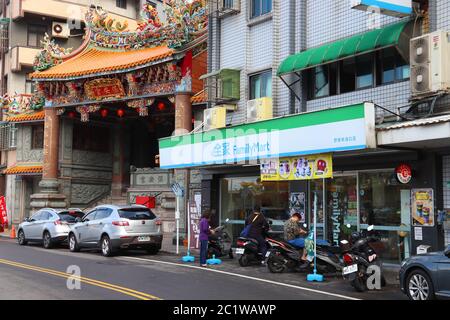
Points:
(92, 158)
(85, 193)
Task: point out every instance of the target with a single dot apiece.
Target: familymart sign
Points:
(332, 130)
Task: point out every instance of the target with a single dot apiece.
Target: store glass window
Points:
(239, 195)
(316, 188)
(364, 71)
(36, 34)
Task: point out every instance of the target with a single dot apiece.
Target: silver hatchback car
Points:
(111, 228)
(48, 226)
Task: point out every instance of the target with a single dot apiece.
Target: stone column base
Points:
(49, 197)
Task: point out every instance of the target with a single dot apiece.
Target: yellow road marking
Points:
(101, 284)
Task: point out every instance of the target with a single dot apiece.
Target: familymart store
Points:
(279, 165)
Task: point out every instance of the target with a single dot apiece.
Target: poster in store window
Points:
(297, 204)
(318, 166)
(422, 207)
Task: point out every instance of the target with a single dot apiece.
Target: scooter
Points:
(219, 243)
(358, 257)
(284, 256)
(247, 248)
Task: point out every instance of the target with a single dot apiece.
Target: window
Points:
(361, 72)
(391, 67)
(90, 216)
(29, 86)
(37, 139)
(364, 71)
(137, 214)
(83, 138)
(121, 4)
(260, 7)
(103, 213)
(36, 34)
(261, 85)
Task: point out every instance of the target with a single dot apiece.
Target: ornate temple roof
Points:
(94, 61)
(27, 117)
(24, 170)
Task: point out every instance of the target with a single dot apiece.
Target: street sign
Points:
(177, 189)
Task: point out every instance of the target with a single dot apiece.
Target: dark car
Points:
(426, 276)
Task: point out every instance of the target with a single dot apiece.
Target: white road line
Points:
(242, 276)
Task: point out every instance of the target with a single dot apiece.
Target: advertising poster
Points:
(422, 207)
(297, 168)
(3, 214)
(297, 204)
(195, 216)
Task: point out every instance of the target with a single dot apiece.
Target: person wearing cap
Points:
(293, 233)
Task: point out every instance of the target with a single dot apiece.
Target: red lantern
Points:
(71, 114)
(120, 113)
(104, 113)
(161, 106)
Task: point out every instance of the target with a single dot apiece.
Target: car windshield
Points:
(70, 216)
(276, 214)
(137, 214)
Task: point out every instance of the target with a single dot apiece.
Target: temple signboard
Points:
(100, 89)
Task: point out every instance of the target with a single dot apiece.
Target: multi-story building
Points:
(316, 67)
(25, 25)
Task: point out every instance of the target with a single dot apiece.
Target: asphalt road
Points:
(31, 272)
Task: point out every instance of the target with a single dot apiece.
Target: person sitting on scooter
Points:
(259, 227)
(293, 233)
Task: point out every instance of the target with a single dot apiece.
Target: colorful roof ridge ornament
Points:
(21, 104)
(185, 22)
(51, 55)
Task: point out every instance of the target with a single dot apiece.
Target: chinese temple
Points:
(101, 109)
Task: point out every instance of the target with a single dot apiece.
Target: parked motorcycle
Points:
(248, 249)
(219, 243)
(284, 256)
(358, 256)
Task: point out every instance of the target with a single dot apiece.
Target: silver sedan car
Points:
(111, 228)
(48, 226)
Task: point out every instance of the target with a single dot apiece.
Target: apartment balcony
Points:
(22, 57)
(63, 10)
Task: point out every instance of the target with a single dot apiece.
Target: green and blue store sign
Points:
(332, 130)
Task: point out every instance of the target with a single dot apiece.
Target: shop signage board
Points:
(99, 89)
(331, 130)
(194, 220)
(404, 173)
(297, 168)
(422, 207)
(3, 214)
(396, 8)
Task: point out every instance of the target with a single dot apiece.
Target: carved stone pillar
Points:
(118, 162)
(49, 195)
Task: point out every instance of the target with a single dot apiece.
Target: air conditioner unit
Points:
(429, 59)
(259, 109)
(60, 30)
(214, 118)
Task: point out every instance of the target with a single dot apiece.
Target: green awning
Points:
(380, 38)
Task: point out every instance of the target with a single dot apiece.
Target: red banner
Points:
(3, 214)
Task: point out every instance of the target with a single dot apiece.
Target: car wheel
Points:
(152, 250)
(73, 244)
(47, 240)
(21, 238)
(419, 286)
(244, 260)
(106, 246)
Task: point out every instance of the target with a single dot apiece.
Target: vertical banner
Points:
(195, 216)
(3, 214)
(422, 207)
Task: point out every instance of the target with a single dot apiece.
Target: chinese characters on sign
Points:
(104, 88)
(297, 168)
(404, 173)
(422, 207)
(3, 214)
(195, 216)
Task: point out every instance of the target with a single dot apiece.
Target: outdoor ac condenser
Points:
(60, 30)
(259, 109)
(430, 68)
(214, 118)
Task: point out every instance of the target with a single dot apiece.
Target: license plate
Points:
(143, 239)
(350, 269)
(267, 254)
(240, 251)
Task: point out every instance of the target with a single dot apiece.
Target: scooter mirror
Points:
(370, 228)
